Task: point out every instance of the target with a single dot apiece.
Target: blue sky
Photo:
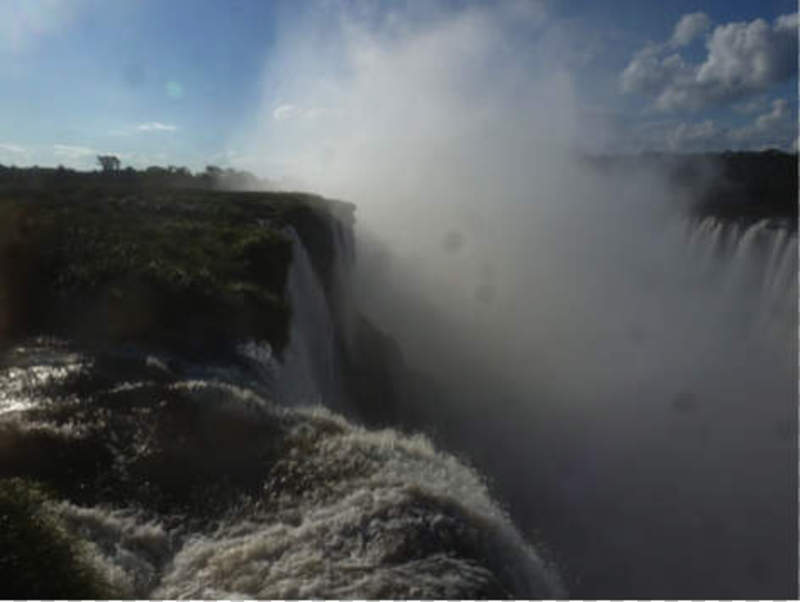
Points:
(252, 83)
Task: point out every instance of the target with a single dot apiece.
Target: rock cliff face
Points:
(163, 360)
(196, 273)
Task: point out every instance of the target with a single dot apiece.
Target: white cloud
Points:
(155, 126)
(749, 56)
(689, 27)
(742, 59)
(288, 112)
(775, 128)
(77, 156)
(73, 152)
(694, 136)
(754, 105)
(74, 156)
(13, 148)
(648, 72)
(14, 154)
(285, 112)
(778, 115)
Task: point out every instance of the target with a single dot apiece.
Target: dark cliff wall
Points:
(186, 271)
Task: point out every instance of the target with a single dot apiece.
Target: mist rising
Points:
(630, 388)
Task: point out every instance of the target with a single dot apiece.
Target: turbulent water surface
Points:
(190, 485)
(232, 477)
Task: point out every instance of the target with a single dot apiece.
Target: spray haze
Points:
(633, 380)
(536, 348)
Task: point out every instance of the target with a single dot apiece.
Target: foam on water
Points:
(127, 547)
(353, 514)
(18, 382)
(342, 511)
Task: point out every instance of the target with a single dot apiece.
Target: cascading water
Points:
(751, 262)
(316, 507)
(183, 480)
(308, 372)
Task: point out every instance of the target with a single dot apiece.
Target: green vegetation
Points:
(98, 257)
(40, 559)
(112, 176)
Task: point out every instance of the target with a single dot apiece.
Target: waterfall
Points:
(307, 371)
(756, 263)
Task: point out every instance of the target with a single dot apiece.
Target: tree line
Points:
(111, 174)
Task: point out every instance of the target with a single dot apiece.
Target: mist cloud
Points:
(558, 306)
(411, 105)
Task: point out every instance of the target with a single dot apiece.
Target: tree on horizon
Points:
(108, 163)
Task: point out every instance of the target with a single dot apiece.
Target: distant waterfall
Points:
(757, 261)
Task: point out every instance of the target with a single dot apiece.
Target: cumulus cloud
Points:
(155, 126)
(689, 27)
(743, 59)
(702, 136)
(649, 72)
(750, 56)
(754, 105)
(778, 115)
(774, 127)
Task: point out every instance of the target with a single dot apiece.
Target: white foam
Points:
(19, 385)
(126, 546)
(366, 495)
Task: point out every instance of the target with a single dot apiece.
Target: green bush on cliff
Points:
(193, 267)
